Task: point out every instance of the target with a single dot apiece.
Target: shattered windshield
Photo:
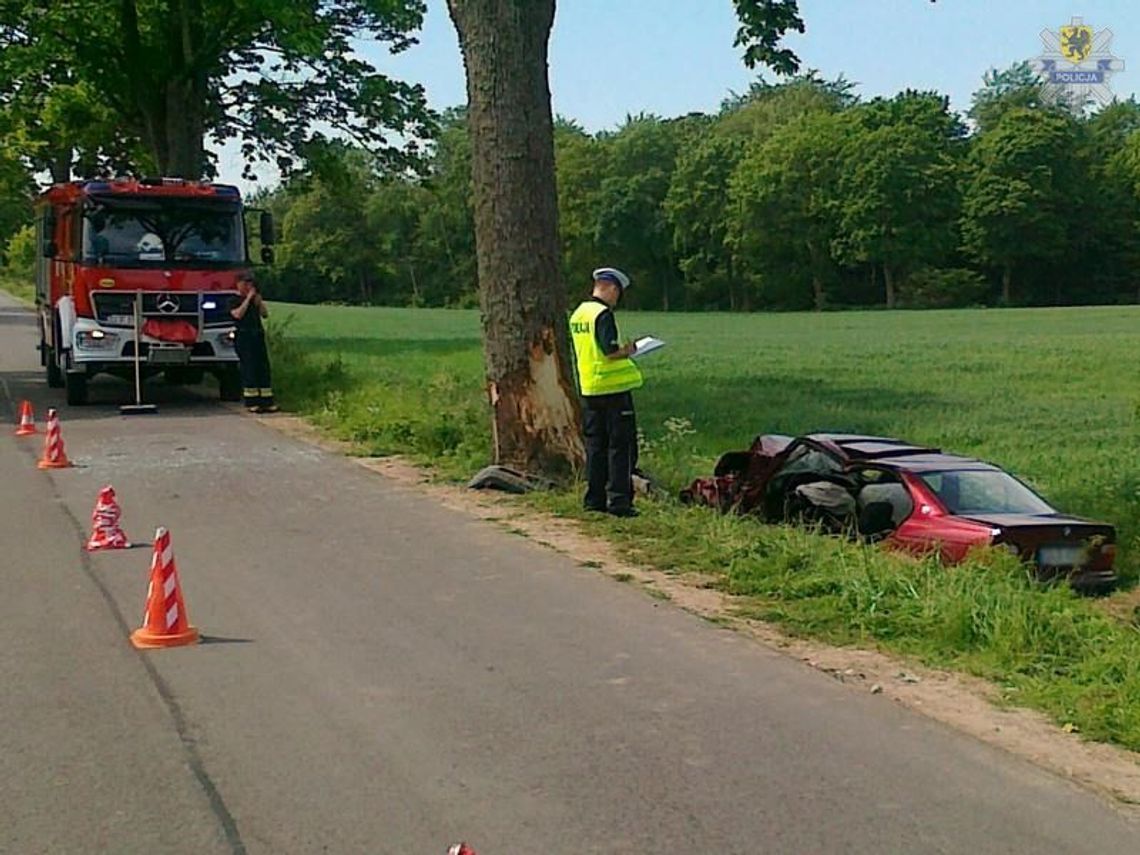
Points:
(162, 233)
(984, 492)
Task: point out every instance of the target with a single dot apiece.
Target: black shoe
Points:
(624, 512)
(592, 510)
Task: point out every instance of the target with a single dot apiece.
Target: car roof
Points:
(897, 454)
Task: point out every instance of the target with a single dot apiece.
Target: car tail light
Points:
(1100, 556)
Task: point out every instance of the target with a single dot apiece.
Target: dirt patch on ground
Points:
(965, 703)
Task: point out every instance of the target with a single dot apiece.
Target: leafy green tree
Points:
(1020, 192)
(783, 209)
(631, 226)
(898, 189)
(697, 203)
(1106, 227)
(1012, 88)
(176, 72)
(16, 189)
(581, 164)
(445, 248)
(696, 207)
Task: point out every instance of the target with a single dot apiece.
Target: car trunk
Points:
(1059, 546)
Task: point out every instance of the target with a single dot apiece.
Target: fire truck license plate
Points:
(169, 355)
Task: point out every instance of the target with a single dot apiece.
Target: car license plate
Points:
(169, 355)
(1063, 555)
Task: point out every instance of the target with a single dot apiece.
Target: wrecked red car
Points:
(911, 498)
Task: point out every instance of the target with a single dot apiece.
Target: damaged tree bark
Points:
(536, 420)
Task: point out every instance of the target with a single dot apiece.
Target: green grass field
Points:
(1051, 395)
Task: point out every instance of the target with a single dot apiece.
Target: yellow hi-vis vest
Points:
(597, 374)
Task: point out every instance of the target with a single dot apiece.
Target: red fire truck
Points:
(175, 247)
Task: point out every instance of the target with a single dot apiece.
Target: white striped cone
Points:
(55, 457)
(165, 622)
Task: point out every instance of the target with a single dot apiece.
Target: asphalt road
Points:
(382, 675)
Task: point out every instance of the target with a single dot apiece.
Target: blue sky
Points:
(610, 58)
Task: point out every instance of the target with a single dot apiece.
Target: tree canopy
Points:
(160, 77)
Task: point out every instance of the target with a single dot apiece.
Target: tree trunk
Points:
(889, 281)
(415, 286)
(816, 279)
(185, 131)
(186, 96)
(172, 115)
(1006, 285)
(60, 166)
(536, 423)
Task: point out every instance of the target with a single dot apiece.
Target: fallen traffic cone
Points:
(54, 455)
(460, 849)
(27, 420)
(105, 530)
(165, 623)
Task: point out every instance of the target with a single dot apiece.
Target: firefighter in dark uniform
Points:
(606, 377)
(249, 341)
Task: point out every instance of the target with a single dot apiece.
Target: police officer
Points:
(606, 377)
(249, 341)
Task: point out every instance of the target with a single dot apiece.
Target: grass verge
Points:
(21, 288)
(413, 406)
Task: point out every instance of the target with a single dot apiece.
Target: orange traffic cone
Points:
(105, 530)
(165, 623)
(460, 849)
(54, 455)
(27, 420)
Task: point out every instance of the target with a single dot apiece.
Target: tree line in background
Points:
(793, 196)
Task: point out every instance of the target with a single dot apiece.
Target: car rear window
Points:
(989, 491)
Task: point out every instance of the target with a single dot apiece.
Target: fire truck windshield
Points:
(162, 233)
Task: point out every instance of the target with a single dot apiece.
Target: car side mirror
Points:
(268, 234)
(267, 255)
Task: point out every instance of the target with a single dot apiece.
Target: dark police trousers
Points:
(253, 362)
(611, 451)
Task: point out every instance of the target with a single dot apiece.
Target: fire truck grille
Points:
(116, 309)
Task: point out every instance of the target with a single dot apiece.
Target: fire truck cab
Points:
(175, 247)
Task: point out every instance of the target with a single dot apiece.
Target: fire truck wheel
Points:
(229, 384)
(76, 390)
(54, 375)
